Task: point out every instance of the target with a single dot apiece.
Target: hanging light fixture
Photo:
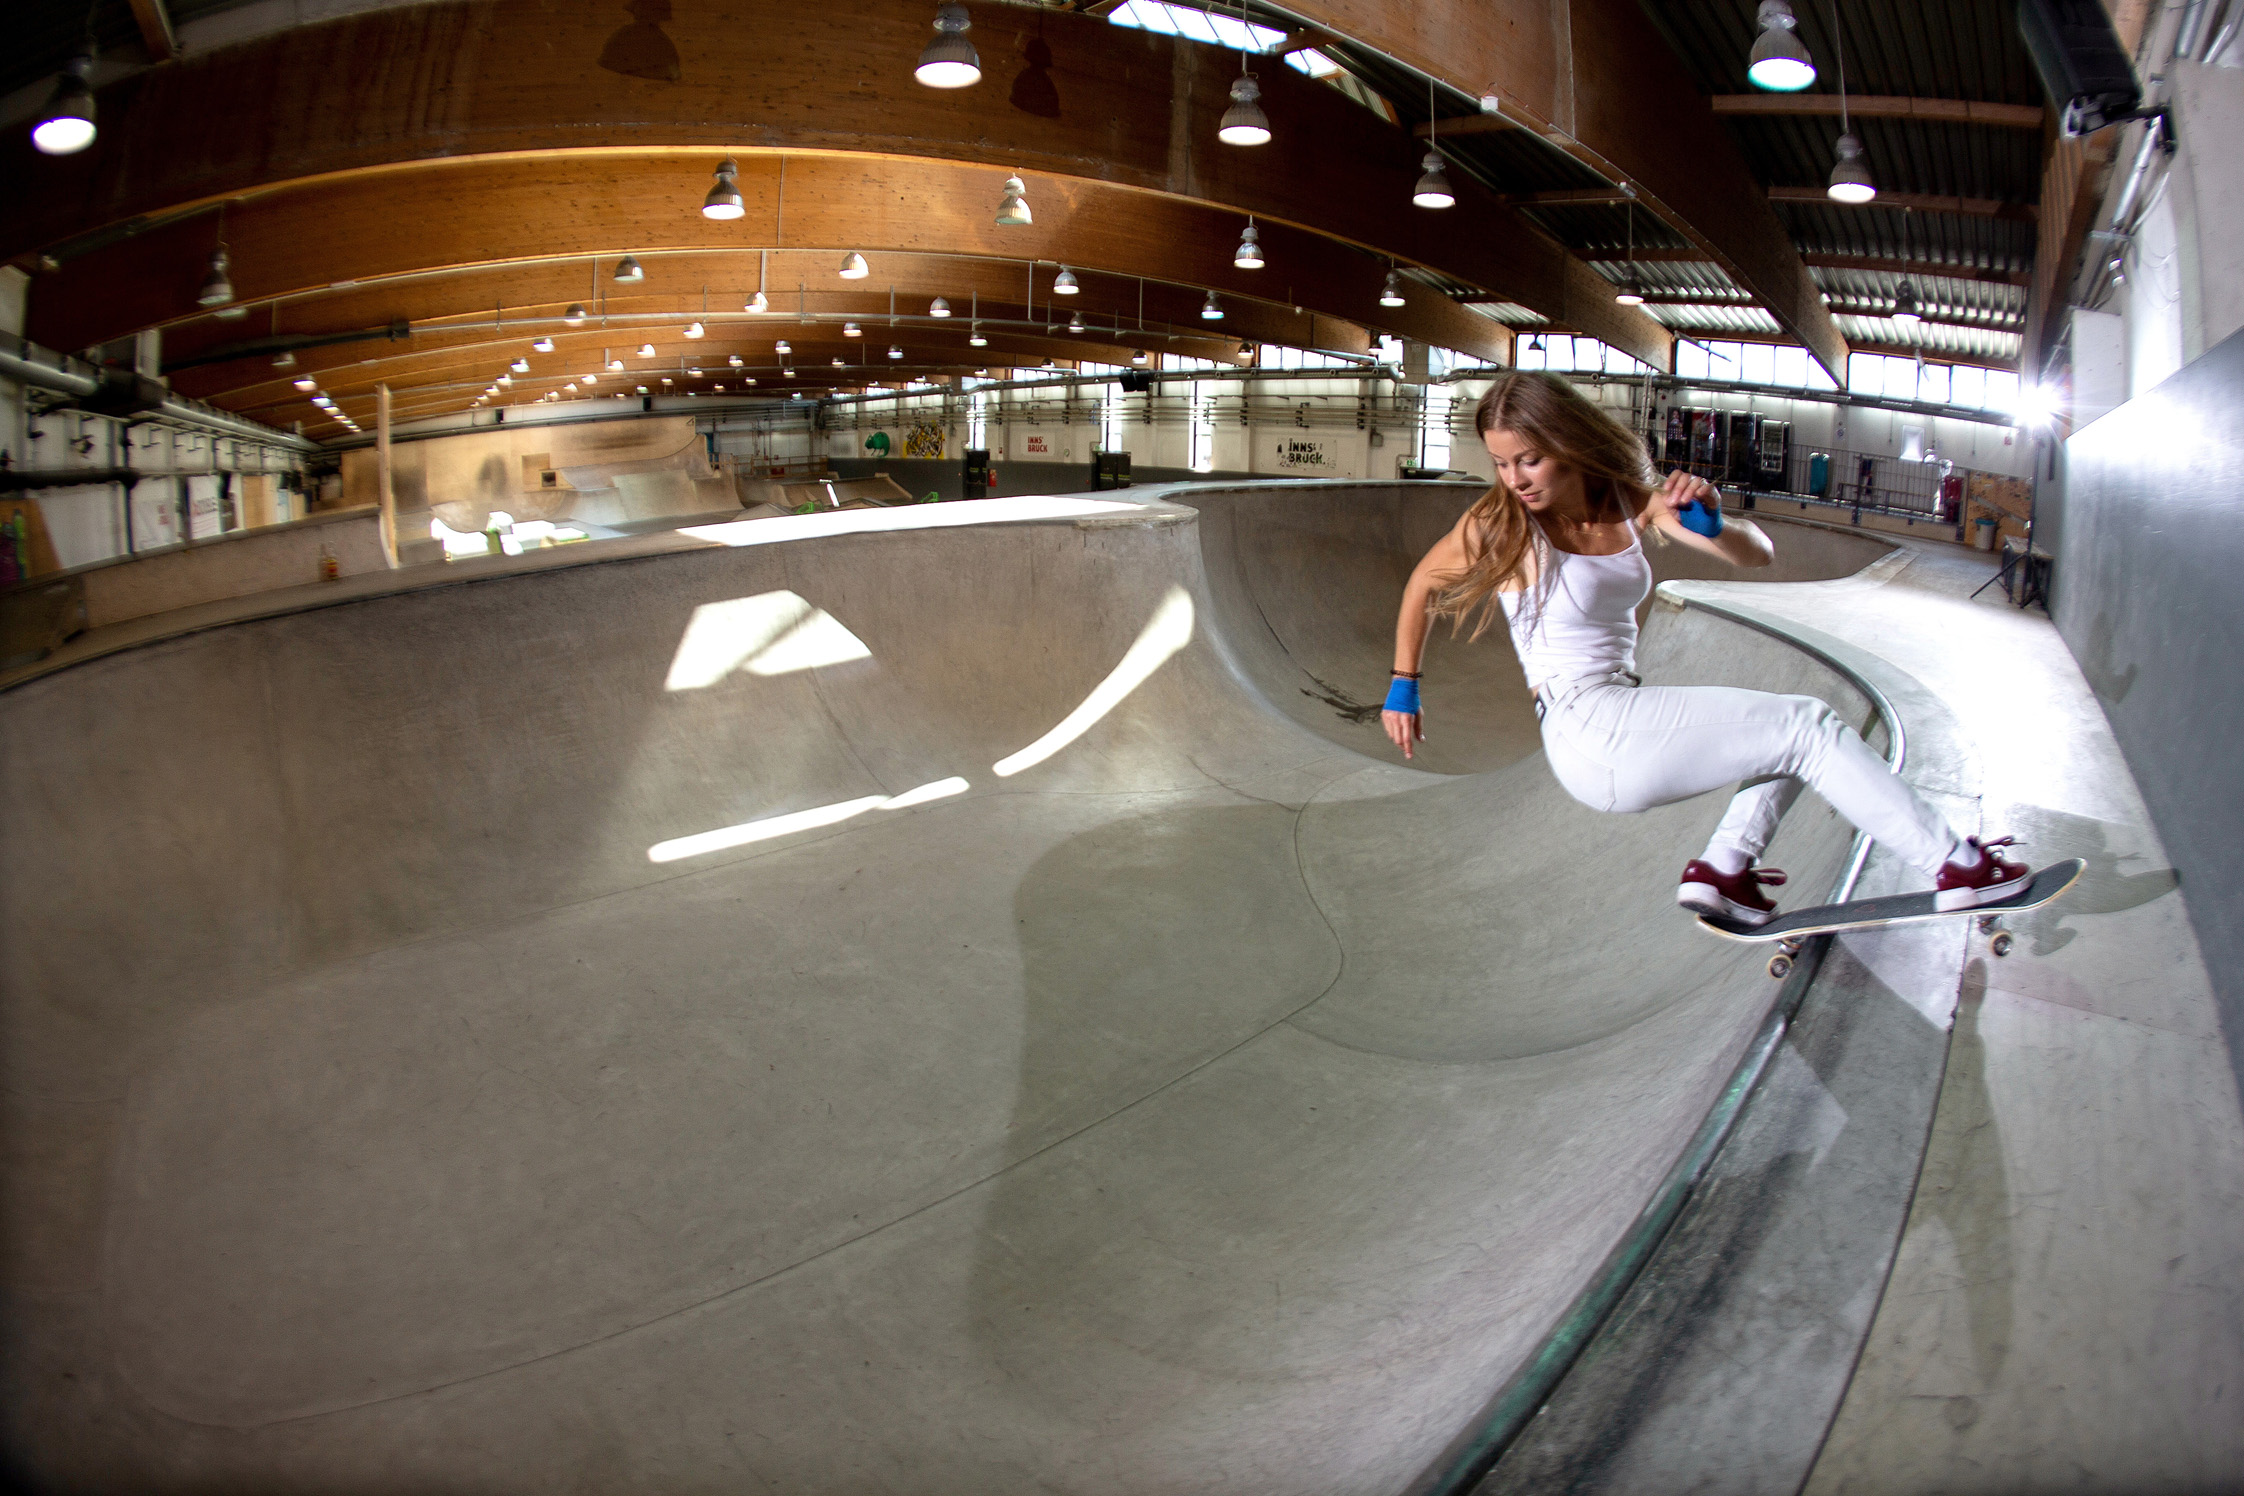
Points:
(66, 125)
(723, 200)
(1064, 284)
(758, 303)
(285, 359)
(218, 287)
(852, 330)
(1905, 308)
(615, 365)
(306, 383)
(1535, 343)
(628, 269)
(1628, 293)
(736, 362)
(574, 316)
(1248, 256)
(1779, 61)
(695, 330)
(788, 372)
(1432, 190)
(1209, 311)
(783, 348)
(1138, 357)
(506, 381)
(838, 363)
(950, 60)
(542, 345)
(589, 380)
(938, 308)
(1244, 123)
(853, 267)
(1075, 323)
(974, 338)
(1850, 177)
(520, 366)
(646, 350)
(1013, 210)
(1246, 349)
(1391, 293)
(894, 351)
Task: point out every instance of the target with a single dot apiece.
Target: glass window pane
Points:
(1690, 361)
(1932, 384)
(1866, 374)
(1757, 364)
(2002, 390)
(1791, 367)
(1191, 23)
(1818, 379)
(1968, 386)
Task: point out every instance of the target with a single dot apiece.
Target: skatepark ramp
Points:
(956, 998)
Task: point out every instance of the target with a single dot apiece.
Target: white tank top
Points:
(1586, 625)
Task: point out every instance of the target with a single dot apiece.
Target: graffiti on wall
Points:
(924, 440)
(1306, 452)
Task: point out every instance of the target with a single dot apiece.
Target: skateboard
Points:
(1790, 931)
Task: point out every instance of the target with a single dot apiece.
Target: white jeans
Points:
(1618, 748)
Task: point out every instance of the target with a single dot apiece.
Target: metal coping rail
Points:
(1474, 1455)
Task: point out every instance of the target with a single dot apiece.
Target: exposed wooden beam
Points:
(1930, 268)
(1887, 106)
(1579, 72)
(156, 34)
(431, 218)
(1135, 112)
(1922, 202)
(1469, 124)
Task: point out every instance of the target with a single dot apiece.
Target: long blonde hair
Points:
(1501, 536)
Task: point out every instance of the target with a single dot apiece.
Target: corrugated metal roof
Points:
(1942, 49)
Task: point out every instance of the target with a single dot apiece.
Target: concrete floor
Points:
(1209, 1106)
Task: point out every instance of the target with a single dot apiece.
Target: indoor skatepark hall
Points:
(695, 773)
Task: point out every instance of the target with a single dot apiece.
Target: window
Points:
(1110, 418)
(1200, 427)
(978, 420)
(1433, 428)
(1199, 26)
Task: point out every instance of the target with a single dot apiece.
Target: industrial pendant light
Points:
(1391, 293)
(520, 366)
(695, 330)
(1628, 293)
(950, 60)
(758, 303)
(783, 348)
(1905, 308)
(1075, 323)
(1138, 357)
(1244, 123)
(894, 351)
(285, 359)
(628, 270)
(1209, 310)
(1013, 211)
(306, 383)
(1248, 256)
(736, 362)
(1064, 284)
(974, 338)
(938, 308)
(723, 200)
(1432, 190)
(646, 350)
(542, 345)
(66, 125)
(574, 316)
(615, 365)
(853, 267)
(852, 330)
(1850, 177)
(1780, 61)
(218, 288)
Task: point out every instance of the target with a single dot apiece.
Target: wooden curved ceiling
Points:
(395, 148)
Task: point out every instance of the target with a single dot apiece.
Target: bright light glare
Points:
(786, 527)
(772, 633)
(750, 832)
(1166, 632)
(2036, 404)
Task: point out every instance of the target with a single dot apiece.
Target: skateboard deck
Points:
(1895, 909)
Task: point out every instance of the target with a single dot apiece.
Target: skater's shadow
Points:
(2114, 880)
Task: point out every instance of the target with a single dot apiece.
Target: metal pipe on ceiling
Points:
(24, 369)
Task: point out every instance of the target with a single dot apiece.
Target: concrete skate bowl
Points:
(403, 1099)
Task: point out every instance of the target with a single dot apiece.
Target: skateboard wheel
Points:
(1780, 967)
(2000, 945)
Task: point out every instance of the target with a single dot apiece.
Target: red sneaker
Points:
(1728, 895)
(1991, 878)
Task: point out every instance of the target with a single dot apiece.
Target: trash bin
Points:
(1983, 533)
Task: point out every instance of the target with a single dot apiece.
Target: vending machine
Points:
(1740, 458)
(1706, 437)
(1677, 452)
(1775, 457)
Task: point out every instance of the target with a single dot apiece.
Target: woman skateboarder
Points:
(1556, 545)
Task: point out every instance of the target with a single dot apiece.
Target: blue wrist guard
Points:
(1402, 696)
(1701, 518)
